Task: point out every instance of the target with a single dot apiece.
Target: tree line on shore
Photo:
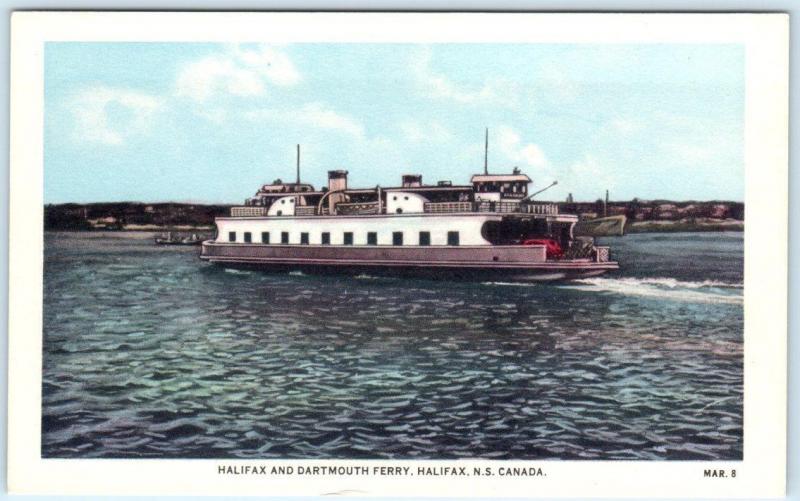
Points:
(144, 216)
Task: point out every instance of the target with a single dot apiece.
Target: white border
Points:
(765, 37)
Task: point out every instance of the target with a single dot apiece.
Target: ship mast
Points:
(298, 164)
(486, 154)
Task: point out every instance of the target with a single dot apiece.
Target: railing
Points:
(439, 207)
(305, 210)
(497, 206)
(428, 207)
(543, 209)
(502, 207)
(248, 211)
(349, 209)
(601, 254)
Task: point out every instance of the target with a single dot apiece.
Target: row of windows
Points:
(372, 237)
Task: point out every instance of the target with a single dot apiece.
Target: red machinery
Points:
(553, 250)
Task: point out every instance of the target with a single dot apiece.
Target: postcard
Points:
(406, 254)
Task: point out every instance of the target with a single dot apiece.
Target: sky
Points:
(211, 123)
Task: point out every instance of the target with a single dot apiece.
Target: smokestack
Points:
(412, 180)
(605, 205)
(337, 181)
(298, 164)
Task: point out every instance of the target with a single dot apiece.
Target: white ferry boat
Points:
(489, 229)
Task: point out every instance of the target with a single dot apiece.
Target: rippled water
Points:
(149, 352)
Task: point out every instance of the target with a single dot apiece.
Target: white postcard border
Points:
(760, 474)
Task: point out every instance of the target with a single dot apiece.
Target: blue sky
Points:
(212, 122)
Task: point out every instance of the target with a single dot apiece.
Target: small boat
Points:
(169, 239)
(611, 226)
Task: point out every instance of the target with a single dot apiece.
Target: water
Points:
(148, 352)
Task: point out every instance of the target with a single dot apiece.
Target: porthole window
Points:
(406, 198)
(399, 210)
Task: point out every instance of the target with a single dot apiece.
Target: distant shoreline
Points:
(630, 228)
(653, 216)
(661, 226)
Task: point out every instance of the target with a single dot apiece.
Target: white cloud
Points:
(273, 64)
(318, 115)
(436, 85)
(621, 126)
(559, 84)
(238, 71)
(431, 132)
(587, 178)
(315, 115)
(527, 154)
(698, 143)
(109, 115)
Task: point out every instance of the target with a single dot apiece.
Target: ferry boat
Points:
(489, 229)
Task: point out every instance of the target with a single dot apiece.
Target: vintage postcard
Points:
(398, 254)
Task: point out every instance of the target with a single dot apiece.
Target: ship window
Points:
(284, 237)
(280, 212)
(283, 201)
(399, 210)
(348, 238)
(231, 236)
(424, 237)
(394, 198)
(372, 238)
(248, 237)
(304, 238)
(326, 238)
(452, 238)
(264, 237)
(397, 238)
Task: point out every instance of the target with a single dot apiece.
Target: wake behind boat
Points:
(489, 229)
(170, 239)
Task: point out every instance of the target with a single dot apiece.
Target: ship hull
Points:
(482, 263)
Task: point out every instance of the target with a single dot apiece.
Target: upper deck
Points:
(486, 193)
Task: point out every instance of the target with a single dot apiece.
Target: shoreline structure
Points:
(644, 216)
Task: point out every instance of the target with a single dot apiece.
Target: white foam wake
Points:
(511, 284)
(236, 272)
(706, 291)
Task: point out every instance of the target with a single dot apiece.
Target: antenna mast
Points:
(298, 164)
(486, 154)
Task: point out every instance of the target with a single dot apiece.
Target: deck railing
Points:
(428, 207)
(543, 209)
(360, 208)
(442, 207)
(305, 210)
(502, 207)
(601, 254)
(248, 211)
